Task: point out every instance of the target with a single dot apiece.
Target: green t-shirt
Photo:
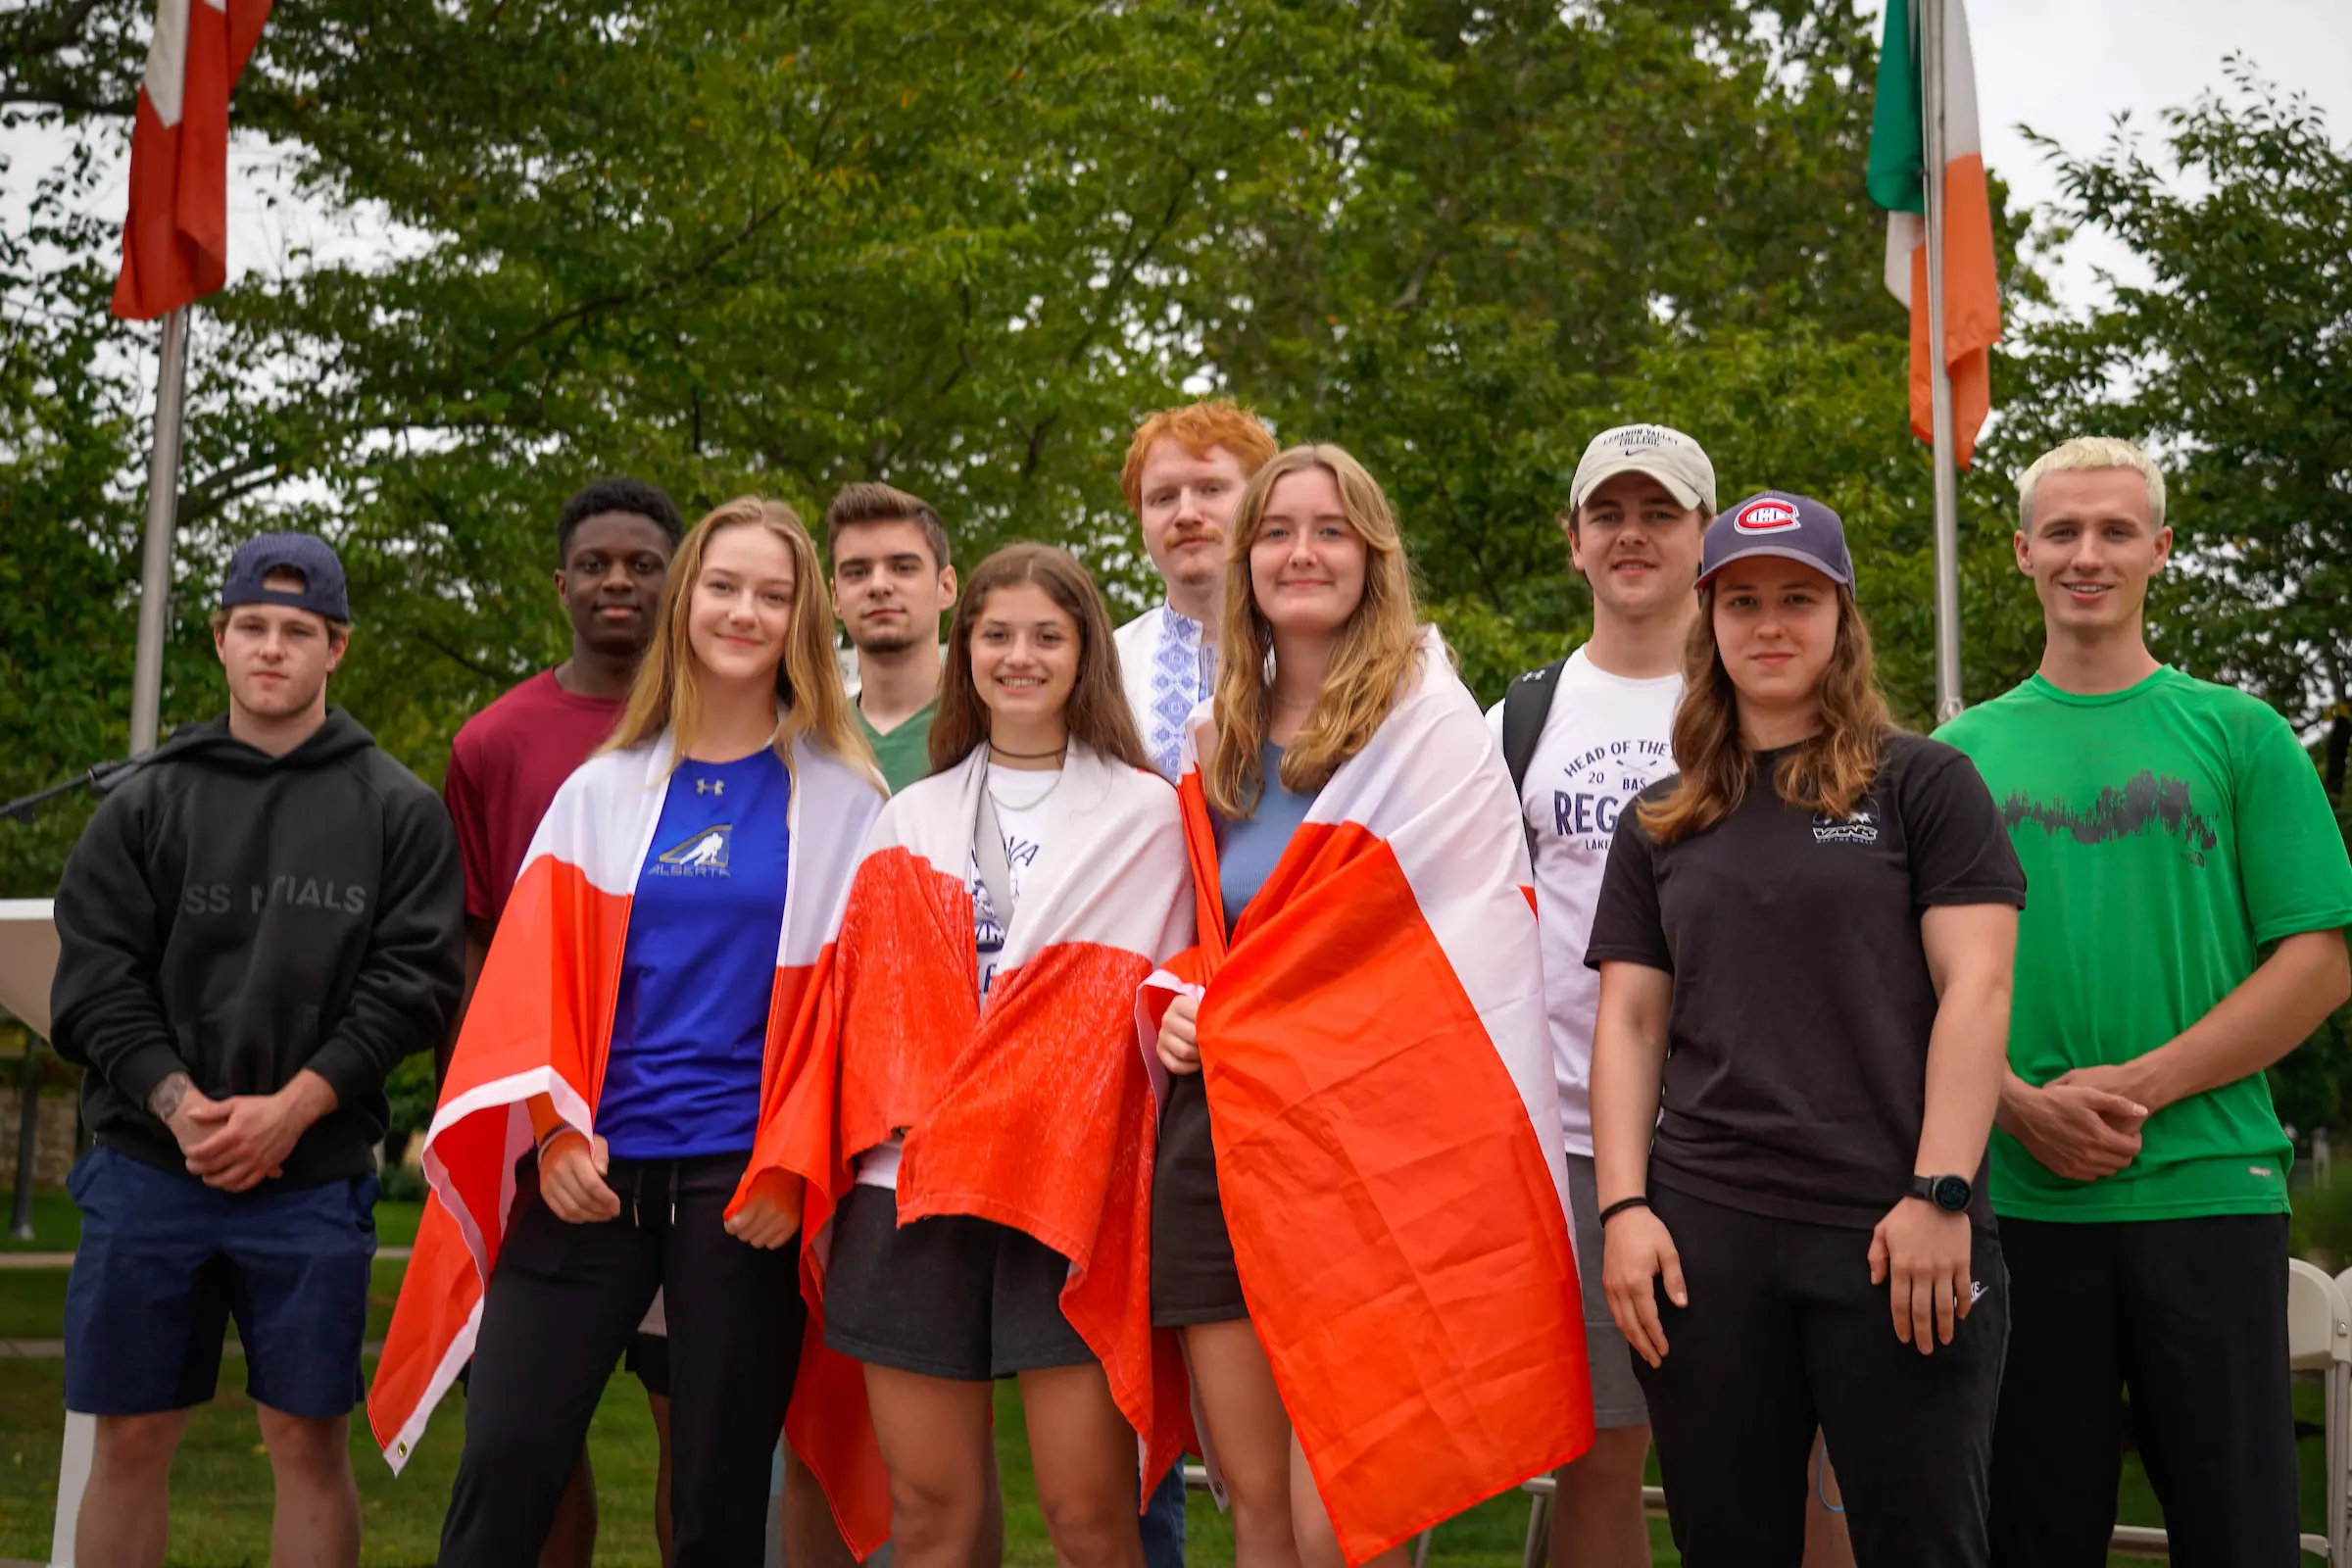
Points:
(2166, 832)
(906, 751)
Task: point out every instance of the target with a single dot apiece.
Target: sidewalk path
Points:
(55, 1350)
(385, 1254)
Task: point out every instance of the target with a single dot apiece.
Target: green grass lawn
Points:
(56, 1224)
(220, 1485)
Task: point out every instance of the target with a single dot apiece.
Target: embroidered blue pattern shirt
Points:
(1167, 669)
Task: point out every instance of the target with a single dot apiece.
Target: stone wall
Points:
(54, 1151)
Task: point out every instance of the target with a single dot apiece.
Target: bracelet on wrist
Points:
(1620, 1207)
(552, 1134)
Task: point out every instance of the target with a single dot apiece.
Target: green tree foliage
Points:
(961, 247)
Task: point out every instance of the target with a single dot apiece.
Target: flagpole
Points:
(163, 509)
(1939, 376)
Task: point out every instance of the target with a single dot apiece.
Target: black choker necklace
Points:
(1028, 757)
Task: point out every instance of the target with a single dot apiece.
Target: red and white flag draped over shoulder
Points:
(1387, 1124)
(541, 1022)
(175, 237)
(1035, 1107)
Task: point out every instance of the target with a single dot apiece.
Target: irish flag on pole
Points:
(175, 236)
(1899, 153)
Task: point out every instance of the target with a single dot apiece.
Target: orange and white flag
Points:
(1032, 1106)
(1972, 295)
(541, 1023)
(1387, 1124)
(175, 235)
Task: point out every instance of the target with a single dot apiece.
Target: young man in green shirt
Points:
(890, 584)
(2172, 832)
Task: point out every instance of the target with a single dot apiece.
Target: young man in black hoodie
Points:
(254, 928)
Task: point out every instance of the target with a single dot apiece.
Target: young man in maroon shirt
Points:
(614, 541)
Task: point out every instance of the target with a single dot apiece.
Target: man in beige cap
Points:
(1584, 736)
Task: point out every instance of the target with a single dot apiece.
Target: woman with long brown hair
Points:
(991, 1216)
(632, 1022)
(1804, 940)
(1358, 1222)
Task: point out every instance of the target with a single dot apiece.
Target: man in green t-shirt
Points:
(890, 584)
(2172, 832)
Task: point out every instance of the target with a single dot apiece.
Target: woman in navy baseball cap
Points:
(1804, 942)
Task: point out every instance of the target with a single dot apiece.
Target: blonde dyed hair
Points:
(1374, 652)
(2082, 453)
(667, 692)
(1829, 772)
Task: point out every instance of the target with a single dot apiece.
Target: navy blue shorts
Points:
(166, 1261)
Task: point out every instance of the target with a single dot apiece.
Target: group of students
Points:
(830, 1058)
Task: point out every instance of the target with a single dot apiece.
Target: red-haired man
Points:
(1185, 472)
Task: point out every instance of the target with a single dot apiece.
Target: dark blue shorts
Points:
(166, 1261)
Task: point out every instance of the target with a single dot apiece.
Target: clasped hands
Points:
(572, 1183)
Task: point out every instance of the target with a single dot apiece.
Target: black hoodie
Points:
(238, 917)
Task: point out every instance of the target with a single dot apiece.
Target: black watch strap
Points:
(1952, 1194)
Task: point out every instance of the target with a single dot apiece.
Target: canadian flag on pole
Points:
(175, 238)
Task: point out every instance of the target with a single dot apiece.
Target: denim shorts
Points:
(166, 1261)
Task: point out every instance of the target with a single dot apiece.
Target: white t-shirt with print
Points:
(1027, 812)
(1607, 739)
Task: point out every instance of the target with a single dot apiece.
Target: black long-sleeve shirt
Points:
(239, 917)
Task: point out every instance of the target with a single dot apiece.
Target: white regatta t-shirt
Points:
(1027, 811)
(1606, 740)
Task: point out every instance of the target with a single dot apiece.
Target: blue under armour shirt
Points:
(690, 1030)
(1248, 847)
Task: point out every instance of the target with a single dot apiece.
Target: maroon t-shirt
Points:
(504, 771)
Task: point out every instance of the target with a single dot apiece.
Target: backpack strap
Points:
(1526, 705)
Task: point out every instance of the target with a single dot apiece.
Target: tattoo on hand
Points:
(164, 1100)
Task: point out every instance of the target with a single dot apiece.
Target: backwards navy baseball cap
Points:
(1777, 523)
(321, 591)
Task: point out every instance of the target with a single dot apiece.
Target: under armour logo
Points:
(709, 786)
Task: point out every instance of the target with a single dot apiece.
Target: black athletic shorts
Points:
(1192, 1275)
(948, 1296)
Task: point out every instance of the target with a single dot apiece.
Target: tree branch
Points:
(503, 677)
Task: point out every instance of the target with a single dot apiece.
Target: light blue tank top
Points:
(1249, 847)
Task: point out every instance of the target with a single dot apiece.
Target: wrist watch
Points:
(1947, 1193)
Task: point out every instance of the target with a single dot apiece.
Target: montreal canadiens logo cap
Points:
(1766, 514)
(1777, 523)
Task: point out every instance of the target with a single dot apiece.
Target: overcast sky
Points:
(2067, 67)
(2063, 66)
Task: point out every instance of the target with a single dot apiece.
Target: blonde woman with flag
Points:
(1360, 1220)
(613, 1120)
(990, 1218)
